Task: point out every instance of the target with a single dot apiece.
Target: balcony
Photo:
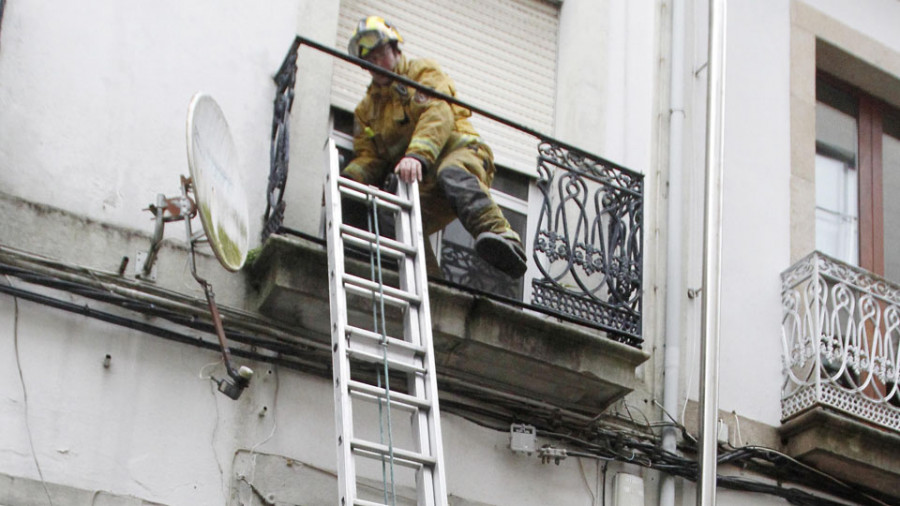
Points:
(840, 400)
(576, 325)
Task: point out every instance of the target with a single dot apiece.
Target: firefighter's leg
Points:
(463, 178)
(436, 214)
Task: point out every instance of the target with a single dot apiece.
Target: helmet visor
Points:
(364, 43)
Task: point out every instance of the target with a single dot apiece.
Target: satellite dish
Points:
(213, 162)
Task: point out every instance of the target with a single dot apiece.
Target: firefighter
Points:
(421, 138)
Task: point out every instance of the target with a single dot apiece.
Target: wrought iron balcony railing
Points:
(588, 243)
(841, 338)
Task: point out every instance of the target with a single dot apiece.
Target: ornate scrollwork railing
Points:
(463, 266)
(273, 218)
(841, 339)
(588, 242)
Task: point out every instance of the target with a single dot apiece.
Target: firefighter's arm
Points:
(433, 117)
(366, 167)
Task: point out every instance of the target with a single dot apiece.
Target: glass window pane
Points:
(890, 160)
(837, 178)
(511, 183)
(837, 210)
(829, 180)
(836, 134)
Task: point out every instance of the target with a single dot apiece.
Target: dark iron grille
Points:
(588, 244)
(462, 266)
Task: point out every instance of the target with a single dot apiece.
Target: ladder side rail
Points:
(341, 366)
(426, 422)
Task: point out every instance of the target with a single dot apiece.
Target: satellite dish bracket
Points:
(165, 210)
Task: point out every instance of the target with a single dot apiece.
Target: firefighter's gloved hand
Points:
(409, 169)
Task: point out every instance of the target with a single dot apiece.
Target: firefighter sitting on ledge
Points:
(425, 139)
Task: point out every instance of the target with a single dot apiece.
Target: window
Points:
(857, 178)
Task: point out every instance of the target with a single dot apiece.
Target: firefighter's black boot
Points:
(495, 241)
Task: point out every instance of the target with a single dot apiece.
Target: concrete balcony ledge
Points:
(846, 448)
(477, 340)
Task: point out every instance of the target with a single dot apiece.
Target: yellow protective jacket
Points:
(396, 120)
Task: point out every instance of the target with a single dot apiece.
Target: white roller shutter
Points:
(500, 53)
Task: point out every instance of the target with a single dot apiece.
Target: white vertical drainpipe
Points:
(674, 286)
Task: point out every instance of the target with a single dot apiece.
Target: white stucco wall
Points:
(756, 215)
(877, 19)
(94, 97)
(606, 79)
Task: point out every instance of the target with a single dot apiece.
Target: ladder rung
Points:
(364, 197)
(404, 364)
(380, 451)
(363, 502)
(393, 301)
(369, 237)
(375, 288)
(386, 251)
(348, 186)
(396, 397)
(374, 337)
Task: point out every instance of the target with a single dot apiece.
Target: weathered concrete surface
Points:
(476, 339)
(845, 448)
(261, 479)
(26, 492)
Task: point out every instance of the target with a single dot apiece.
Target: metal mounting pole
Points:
(238, 379)
(712, 255)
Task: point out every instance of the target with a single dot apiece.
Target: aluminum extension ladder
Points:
(359, 352)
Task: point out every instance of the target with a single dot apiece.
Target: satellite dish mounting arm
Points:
(238, 379)
(166, 210)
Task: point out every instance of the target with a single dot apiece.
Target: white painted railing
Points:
(841, 339)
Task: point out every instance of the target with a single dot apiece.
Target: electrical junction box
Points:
(628, 490)
(522, 438)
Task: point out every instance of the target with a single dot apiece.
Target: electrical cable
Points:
(211, 364)
(585, 480)
(687, 468)
(737, 424)
(25, 393)
(212, 437)
(605, 466)
(274, 405)
(271, 434)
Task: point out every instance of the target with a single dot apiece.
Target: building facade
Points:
(596, 112)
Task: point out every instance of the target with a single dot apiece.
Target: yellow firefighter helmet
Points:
(371, 33)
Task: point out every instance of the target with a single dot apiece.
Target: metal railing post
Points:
(712, 255)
